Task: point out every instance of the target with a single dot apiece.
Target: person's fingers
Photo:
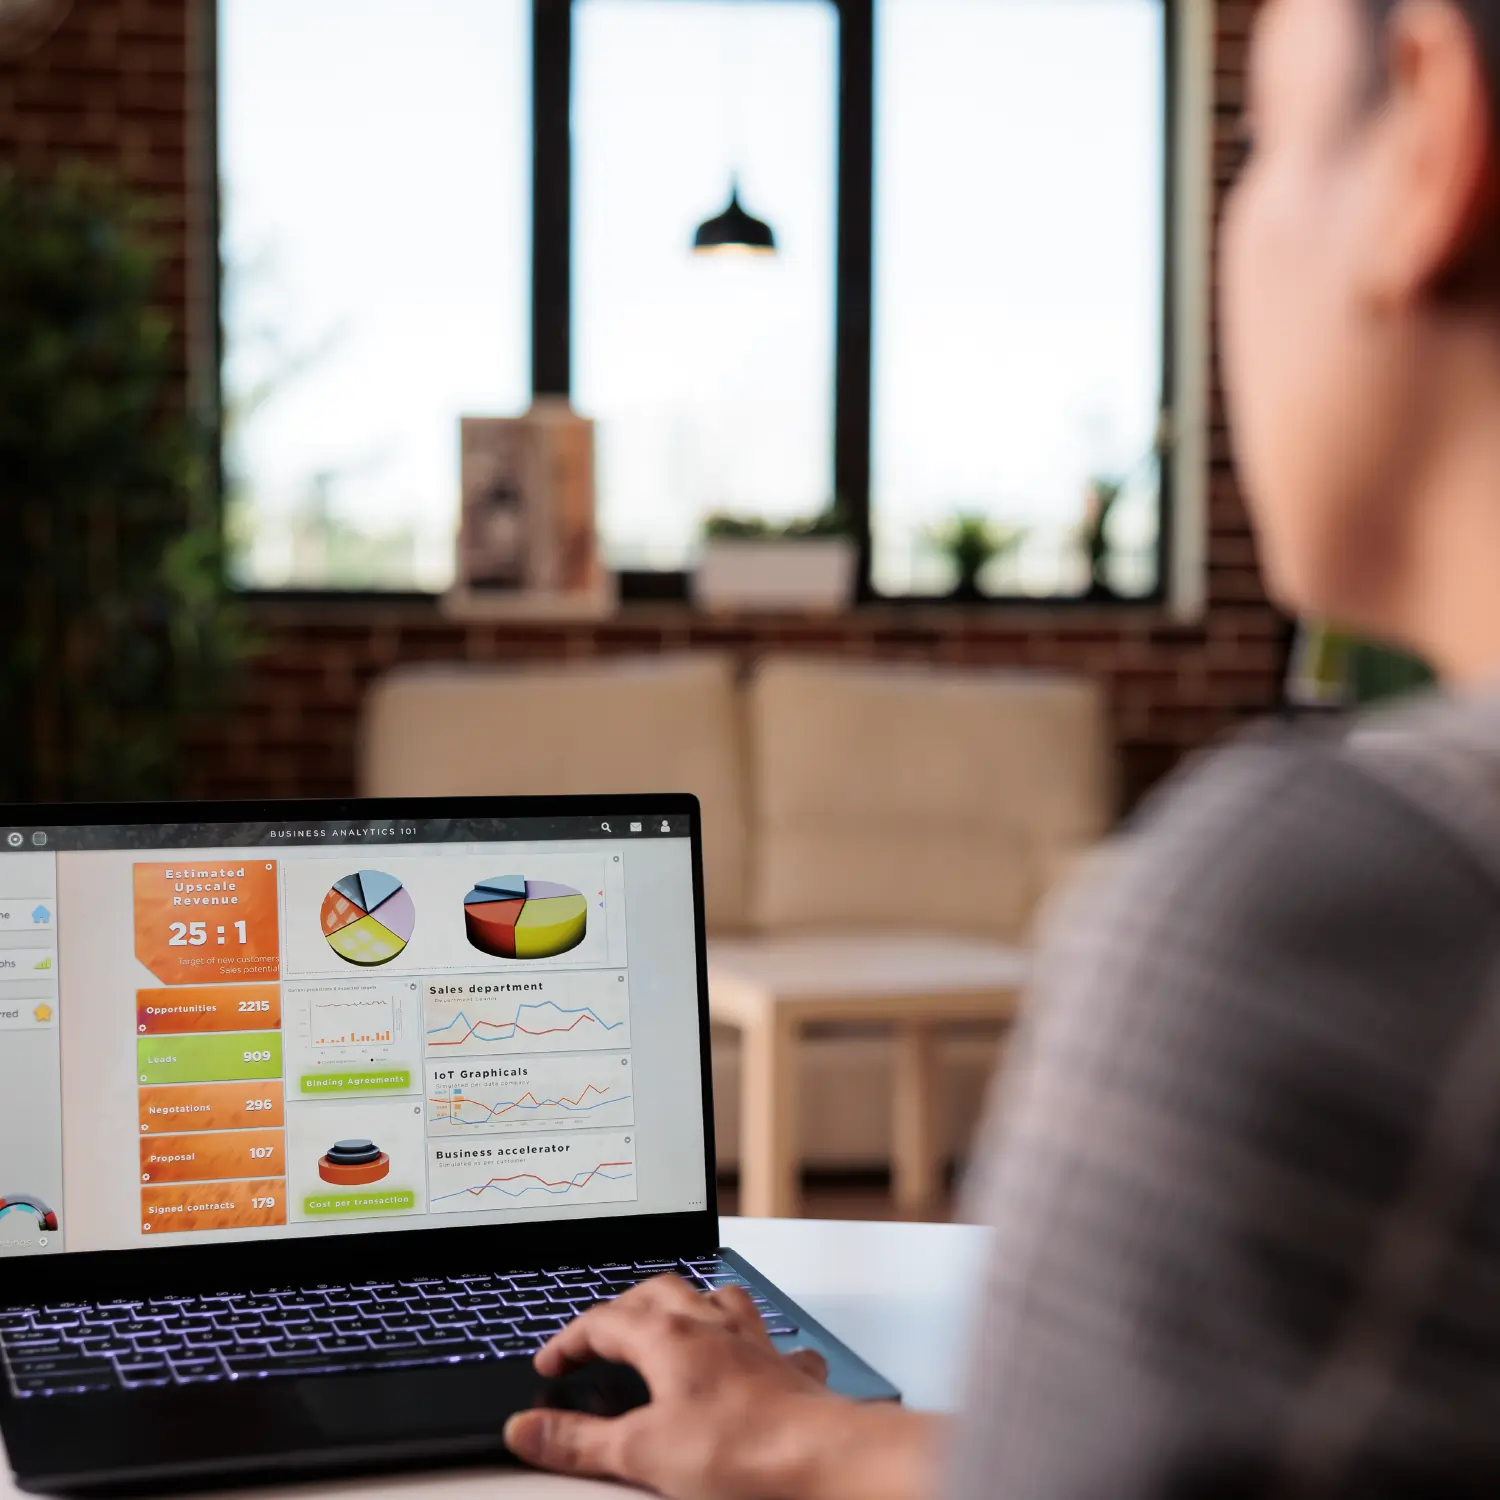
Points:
(666, 1295)
(737, 1310)
(809, 1362)
(567, 1442)
(632, 1330)
(668, 1287)
(663, 1292)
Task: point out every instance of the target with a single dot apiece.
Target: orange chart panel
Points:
(230, 1007)
(208, 922)
(213, 1205)
(171, 1109)
(215, 1157)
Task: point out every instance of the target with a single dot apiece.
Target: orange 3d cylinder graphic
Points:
(353, 1164)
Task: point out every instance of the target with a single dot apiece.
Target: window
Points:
(1018, 284)
(966, 317)
(375, 178)
(710, 378)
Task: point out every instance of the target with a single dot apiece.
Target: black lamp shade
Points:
(734, 229)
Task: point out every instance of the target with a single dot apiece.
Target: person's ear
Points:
(1429, 175)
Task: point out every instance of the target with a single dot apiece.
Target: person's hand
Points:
(730, 1418)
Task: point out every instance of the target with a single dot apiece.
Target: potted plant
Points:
(1099, 502)
(803, 566)
(115, 631)
(971, 542)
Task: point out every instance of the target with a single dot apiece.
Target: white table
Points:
(898, 1294)
(772, 989)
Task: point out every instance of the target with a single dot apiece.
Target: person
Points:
(1244, 1171)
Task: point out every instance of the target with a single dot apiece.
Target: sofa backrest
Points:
(642, 724)
(919, 798)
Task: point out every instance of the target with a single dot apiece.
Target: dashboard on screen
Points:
(239, 1032)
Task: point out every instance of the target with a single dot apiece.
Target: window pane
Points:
(1019, 242)
(375, 163)
(711, 378)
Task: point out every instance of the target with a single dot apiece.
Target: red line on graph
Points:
(458, 1099)
(474, 1192)
(512, 1026)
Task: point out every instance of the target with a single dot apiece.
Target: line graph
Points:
(569, 1091)
(607, 1171)
(470, 1026)
(505, 1031)
(593, 1168)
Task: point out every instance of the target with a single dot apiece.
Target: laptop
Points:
(318, 1118)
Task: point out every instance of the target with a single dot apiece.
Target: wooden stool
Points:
(770, 989)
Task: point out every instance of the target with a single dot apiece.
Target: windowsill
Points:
(1004, 615)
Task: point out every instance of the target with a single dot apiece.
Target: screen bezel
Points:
(389, 1254)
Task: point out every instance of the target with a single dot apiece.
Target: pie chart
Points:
(368, 918)
(512, 917)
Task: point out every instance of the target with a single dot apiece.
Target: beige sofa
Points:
(836, 799)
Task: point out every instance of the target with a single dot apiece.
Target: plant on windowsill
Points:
(1099, 502)
(114, 630)
(971, 542)
(803, 566)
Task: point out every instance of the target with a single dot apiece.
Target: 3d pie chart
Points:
(353, 1163)
(512, 917)
(368, 918)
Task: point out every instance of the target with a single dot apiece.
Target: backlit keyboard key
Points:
(61, 1385)
(515, 1345)
(394, 1341)
(344, 1343)
(540, 1325)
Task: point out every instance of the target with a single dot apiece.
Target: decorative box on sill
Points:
(807, 576)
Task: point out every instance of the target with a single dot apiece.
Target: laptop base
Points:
(250, 1432)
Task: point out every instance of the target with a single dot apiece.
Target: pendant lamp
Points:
(734, 232)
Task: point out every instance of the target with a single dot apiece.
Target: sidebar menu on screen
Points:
(30, 1067)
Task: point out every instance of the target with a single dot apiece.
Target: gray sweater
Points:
(1244, 1164)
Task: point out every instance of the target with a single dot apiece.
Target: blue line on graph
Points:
(515, 1026)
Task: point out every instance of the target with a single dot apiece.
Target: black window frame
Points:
(854, 310)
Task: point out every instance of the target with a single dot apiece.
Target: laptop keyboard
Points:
(71, 1348)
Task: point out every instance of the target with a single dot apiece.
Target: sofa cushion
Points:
(642, 724)
(919, 799)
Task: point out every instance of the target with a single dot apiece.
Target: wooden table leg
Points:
(914, 1148)
(769, 1102)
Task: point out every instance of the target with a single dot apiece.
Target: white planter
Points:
(815, 576)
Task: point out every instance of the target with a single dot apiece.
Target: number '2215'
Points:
(195, 934)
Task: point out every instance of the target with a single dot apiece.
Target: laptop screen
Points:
(239, 1032)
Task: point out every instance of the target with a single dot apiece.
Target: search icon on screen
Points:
(606, 828)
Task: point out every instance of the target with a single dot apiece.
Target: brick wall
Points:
(117, 84)
(1172, 688)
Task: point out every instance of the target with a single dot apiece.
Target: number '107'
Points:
(195, 934)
